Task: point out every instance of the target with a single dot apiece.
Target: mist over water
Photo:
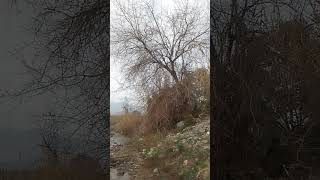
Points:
(19, 148)
(18, 138)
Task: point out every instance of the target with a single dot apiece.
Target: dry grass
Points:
(166, 108)
(128, 124)
(114, 119)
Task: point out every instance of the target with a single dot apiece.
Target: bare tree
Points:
(50, 139)
(153, 43)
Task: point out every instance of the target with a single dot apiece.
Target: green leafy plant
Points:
(153, 152)
(188, 173)
(179, 144)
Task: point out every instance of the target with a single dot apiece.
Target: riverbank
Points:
(183, 153)
(121, 159)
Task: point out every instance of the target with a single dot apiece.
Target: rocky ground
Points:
(180, 154)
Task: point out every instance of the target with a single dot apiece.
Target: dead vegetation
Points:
(129, 123)
(167, 107)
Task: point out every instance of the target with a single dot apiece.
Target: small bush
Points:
(188, 173)
(151, 153)
(200, 91)
(167, 107)
(129, 123)
(114, 119)
(171, 104)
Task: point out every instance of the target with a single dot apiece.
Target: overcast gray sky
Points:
(12, 35)
(17, 133)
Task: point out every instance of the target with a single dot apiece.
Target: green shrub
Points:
(151, 153)
(188, 173)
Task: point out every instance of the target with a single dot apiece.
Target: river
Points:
(116, 140)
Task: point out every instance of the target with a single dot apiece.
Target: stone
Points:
(120, 173)
(156, 171)
(202, 130)
(185, 162)
(204, 141)
(197, 119)
(180, 124)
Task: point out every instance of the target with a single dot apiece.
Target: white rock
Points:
(180, 124)
(156, 171)
(185, 162)
(202, 130)
(197, 119)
